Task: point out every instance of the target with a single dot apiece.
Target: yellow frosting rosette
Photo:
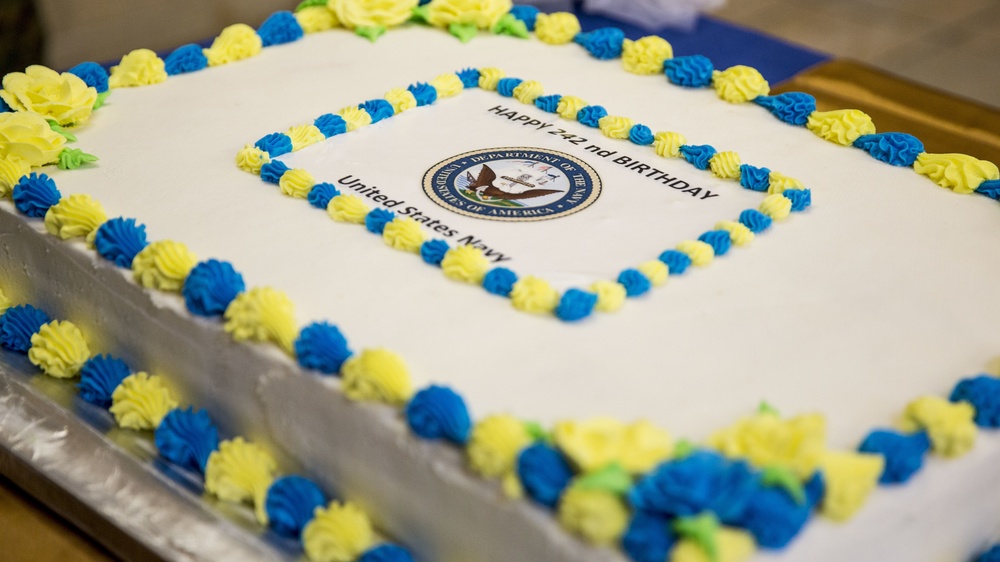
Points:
(646, 56)
(598, 517)
(236, 42)
(63, 97)
(484, 14)
(141, 67)
(341, 532)
(556, 29)
(372, 13)
(28, 137)
(12, 169)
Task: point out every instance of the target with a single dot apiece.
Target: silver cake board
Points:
(108, 482)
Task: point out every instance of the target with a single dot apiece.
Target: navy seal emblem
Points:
(513, 184)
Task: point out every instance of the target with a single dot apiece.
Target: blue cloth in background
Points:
(726, 45)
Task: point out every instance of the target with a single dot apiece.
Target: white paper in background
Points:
(647, 14)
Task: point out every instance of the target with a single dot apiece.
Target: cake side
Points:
(47, 446)
(257, 393)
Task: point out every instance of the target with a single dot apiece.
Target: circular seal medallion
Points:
(513, 184)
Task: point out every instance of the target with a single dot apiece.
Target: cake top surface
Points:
(838, 299)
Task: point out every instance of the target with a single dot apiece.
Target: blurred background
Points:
(952, 45)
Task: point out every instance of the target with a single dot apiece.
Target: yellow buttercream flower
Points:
(400, 99)
(668, 144)
(596, 516)
(377, 375)
(950, 425)
(447, 85)
(776, 206)
(28, 137)
(372, 13)
(163, 265)
(732, 545)
(58, 349)
(403, 233)
(262, 314)
(556, 29)
(12, 169)
(594, 444)
(766, 440)
(465, 263)
(337, 533)
(240, 472)
(850, 478)
(490, 77)
(73, 216)
(355, 117)
(701, 253)
(534, 295)
(960, 173)
(738, 84)
(484, 14)
(656, 271)
(725, 165)
(304, 135)
(347, 208)
(250, 159)
(493, 447)
(779, 182)
(296, 183)
(739, 234)
(141, 67)
(842, 126)
(569, 106)
(314, 19)
(64, 97)
(236, 42)
(647, 55)
(141, 401)
(615, 127)
(610, 295)
(5, 302)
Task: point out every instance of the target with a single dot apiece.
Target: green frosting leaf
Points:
(464, 31)
(421, 14)
(612, 478)
(100, 99)
(766, 408)
(509, 25)
(683, 448)
(73, 158)
(703, 530)
(309, 4)
(58, 129)
(371, 33)
(537, 432)
(784, 478)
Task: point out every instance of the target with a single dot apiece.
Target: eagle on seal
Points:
(483, 185)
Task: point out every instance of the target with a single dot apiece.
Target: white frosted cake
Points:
(658, 324)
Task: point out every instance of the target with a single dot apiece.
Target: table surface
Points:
(30, 531)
